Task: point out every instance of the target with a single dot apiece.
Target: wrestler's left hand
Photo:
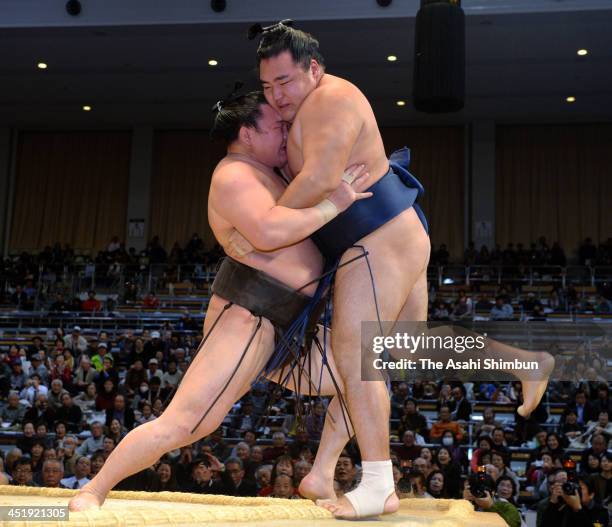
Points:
(354, 182)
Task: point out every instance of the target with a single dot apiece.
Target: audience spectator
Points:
(444, 423)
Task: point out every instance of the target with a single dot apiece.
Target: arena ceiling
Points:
(135, 69)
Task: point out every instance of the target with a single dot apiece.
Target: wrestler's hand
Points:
(238, 246)
(354, 182)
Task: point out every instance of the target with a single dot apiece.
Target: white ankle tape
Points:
(376, 485)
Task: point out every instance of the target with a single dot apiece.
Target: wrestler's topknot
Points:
(280, 38)
(233, 113)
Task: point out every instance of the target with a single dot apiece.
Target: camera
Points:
(570, 487)
(480, 482)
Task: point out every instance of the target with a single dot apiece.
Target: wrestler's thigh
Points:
(416, 306)
(313, 365)
(398, 254)
(210, 371)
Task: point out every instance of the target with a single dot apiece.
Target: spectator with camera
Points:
(479, 489)
(573, 504)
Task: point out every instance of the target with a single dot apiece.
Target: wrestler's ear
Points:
(315, 68)
(244, 135)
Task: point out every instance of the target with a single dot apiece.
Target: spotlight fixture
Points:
(218, 6)
(384, 3)
(391, 58)
(571, 98)
(73, 7)
(41, 65)
(582, 52)
(213, 62)
(87, 108)
(401, 103)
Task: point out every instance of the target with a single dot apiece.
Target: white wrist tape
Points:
(328, 210)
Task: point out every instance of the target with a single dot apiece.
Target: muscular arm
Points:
(248, 205)
(329, 130)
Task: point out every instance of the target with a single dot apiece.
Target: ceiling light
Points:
(391, 58)
(571, 99)
(583, 52)
(42, 66)
(87, 108)
(213, 62)
(401, 103)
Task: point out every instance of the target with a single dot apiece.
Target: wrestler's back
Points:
(295, 265)
(368, 149)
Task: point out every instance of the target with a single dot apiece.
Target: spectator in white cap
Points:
(154, 345)
(75, 341)
(154, 370)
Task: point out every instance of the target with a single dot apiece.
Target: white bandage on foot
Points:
(328, 210)
(376, 485)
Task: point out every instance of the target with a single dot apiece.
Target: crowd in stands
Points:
(540, 253)
(73, 399)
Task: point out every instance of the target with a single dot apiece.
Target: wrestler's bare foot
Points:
(86, 499)
(535, 382)
(342, 508)
(315, 487)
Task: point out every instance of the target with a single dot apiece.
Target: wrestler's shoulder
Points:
(235, 172)
(336, 95)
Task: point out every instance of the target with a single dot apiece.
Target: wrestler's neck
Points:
(239, 152)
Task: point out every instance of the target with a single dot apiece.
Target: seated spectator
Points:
(489, 503)
(38, 367)
(398, 398)
(154, 370)
(501, 310)
(603, 480)
(409, 450)
(167, 476)
(217, 444)
(418, 484)
(106, 397)
(92, 304)
(52, 473)
(538, 472)
(245, 419)
(146, 414)
(22, 473)
(301, 469)
(75, 341)
(124, 414)
(436, 485)
(54, 396)
(70, 413)
(116, 431)
(553, 445)
(413, 420)
(499, 441)
(578, 509)
(489, 422)
(263, 477)
(444, 423)
(18, 377)
(603, 401)
(570, 428)
(60, 370)
(421, 465)
(82, 469)
(32, 388)
(451, 471)
(172, 377)
(597, 448)
(234, 482)
(14, 411)
(87, 400)
(25, 442)
(500, 461)
(278, 448)
(583, 408)
(507, 489)
(484, 445)
(282, 487)
(97, 462)
(441, 312)
(461, 409)
(93, 443)
(457, 454)
(150, 301)
(345, 475)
